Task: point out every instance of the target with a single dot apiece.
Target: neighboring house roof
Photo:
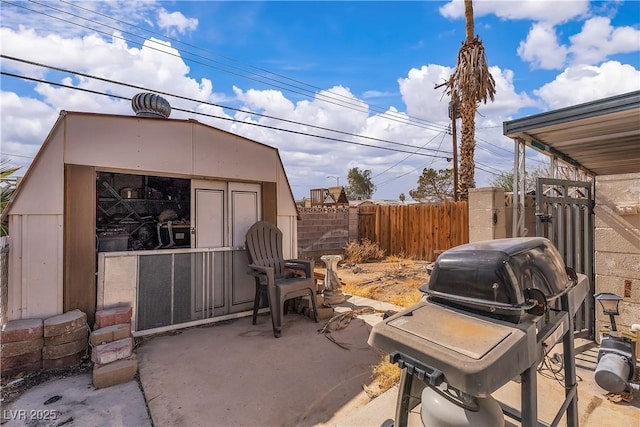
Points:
(601, 137)
(66, 114)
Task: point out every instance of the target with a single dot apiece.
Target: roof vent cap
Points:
(147, 104)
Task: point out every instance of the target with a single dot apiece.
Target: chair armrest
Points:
(262, 271)
(301, 264)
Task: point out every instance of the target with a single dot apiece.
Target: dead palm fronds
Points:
(469, 84)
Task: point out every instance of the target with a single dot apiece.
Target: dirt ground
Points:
(396, 281)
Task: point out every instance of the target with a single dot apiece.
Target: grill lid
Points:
(504, 277)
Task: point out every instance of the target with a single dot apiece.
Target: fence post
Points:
(4, 279)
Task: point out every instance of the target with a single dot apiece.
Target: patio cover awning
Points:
(601, 137)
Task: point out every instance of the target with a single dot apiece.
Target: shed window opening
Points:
(142, 212)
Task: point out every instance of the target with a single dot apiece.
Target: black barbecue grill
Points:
(490, 311)
(505, 278)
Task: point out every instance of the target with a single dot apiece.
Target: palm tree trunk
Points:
(472, 82)
(467, 113)
(467, 147)
(468, 17)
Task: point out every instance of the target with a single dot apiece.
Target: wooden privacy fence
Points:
(417, 231)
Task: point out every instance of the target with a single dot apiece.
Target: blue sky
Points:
(367, 69)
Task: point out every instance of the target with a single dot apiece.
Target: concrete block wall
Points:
(617, 245)
(486, 214)
(487, 201)
(322, 233)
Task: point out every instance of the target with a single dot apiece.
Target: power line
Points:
(208, 103)
(220, 118)
(351, 105)
(405, 119)
(374, 107)
(411, 171)
(391, 167)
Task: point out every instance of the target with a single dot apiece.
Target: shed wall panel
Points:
(139, 144)
(288, 225)
(41, 265)
(269, 207)
(80, 240)
(224, 155)
(14, 288)
(286, 202)
(42, 189)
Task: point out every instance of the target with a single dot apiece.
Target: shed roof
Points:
(39, 164)
(601, 137)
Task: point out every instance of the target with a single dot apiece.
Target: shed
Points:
(143, 211)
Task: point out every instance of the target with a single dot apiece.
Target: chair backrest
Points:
(264, 246)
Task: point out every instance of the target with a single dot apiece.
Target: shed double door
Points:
(223, 212)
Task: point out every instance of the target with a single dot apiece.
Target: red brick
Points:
(113, 316)
(74, 335)
(20, 360)
(26, 368)
(21, 330)
(110, 333)
(64, 323)
(11, 349)
(110, 352)
(118, 372)
(63, 350)
(63, 362)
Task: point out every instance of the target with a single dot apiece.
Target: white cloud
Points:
(542, 49)
(308, 160)
(176, 22)
(369, 94)
(549, 11)
(425, 102)
(421, 97)
(584, 83)
(599, 39)
(24, 123)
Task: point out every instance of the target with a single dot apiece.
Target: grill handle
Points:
(429, 375)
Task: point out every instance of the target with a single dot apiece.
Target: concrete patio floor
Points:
(237, 374)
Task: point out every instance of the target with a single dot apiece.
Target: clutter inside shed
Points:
(142, 212)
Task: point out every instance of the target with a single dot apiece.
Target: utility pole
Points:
(454, 111)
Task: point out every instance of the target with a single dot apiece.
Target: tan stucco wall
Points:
(617, 244)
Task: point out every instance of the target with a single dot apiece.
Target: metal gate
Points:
(564, 215)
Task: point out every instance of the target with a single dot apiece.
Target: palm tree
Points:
(7, 187)
(469, 84)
